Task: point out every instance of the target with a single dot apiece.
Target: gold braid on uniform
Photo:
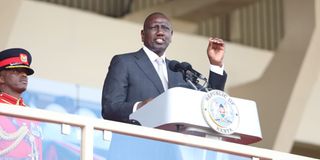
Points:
(16, 136)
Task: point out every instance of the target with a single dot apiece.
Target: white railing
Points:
(88, 125)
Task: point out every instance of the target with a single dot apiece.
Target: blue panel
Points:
(64, 98)
(125, 147)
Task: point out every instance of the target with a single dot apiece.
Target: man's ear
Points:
(142, 35)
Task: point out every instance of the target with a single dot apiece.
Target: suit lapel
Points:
(146, 66)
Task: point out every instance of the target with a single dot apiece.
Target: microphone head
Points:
(186, 66)
(174, 66)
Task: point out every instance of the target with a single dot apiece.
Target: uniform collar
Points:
(6, 98)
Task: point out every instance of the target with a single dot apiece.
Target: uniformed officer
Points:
(20, 138)
(14, 72)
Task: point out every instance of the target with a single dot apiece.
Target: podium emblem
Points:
(220, 112)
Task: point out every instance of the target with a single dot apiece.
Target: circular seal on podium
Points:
(220, 112)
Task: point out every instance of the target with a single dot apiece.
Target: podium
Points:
(179, 110)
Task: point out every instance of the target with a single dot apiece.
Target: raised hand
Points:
(215, 51)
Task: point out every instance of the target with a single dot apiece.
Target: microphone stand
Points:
(205, 85)
(191, 79)
(191, 84)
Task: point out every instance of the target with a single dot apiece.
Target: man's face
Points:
(14, 80)
(156, 34)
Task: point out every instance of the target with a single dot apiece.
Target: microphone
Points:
(190, 75)
(187, 67)
(175, 66)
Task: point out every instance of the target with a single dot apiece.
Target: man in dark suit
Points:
(133, 78)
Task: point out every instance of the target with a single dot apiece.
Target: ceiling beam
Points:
(220, 7)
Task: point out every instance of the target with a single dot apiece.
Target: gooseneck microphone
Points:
(187, 67)
(190, 75)
(175, 66)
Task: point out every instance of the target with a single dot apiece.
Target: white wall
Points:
(309, 131)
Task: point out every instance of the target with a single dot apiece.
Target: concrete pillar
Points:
(274, 90)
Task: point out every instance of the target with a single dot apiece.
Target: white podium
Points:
(179, 109)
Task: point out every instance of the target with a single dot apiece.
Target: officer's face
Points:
(156, 34)
(14, 80)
